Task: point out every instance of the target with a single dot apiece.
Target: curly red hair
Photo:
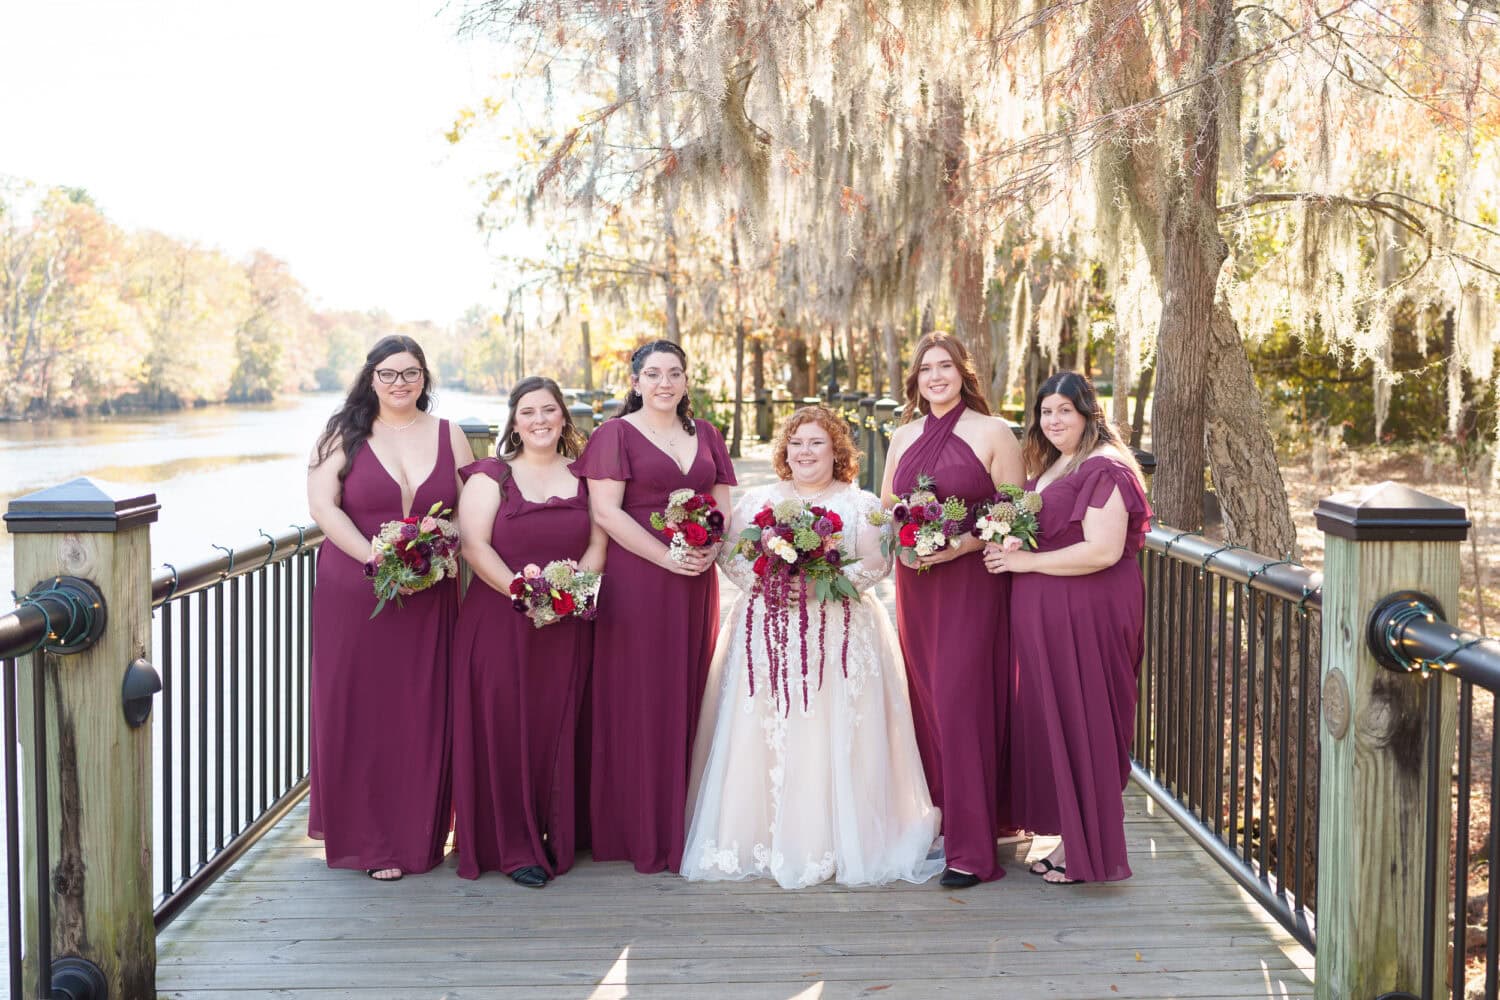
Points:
(845, 456)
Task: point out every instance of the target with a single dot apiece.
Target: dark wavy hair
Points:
(1039, 453)
(349, 427)
(634, 401)
(969, 391)
(569, 442)
(845, 456)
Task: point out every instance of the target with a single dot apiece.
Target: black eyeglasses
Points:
(390, 375)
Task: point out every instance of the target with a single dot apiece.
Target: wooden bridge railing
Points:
(84, 861)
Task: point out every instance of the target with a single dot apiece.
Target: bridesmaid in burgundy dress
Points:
(951, 616)
(658, 618)
(1076, 618)
(517, 688)
(378, 759)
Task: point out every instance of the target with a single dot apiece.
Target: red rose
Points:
(517, 587)
(835, 520)
(697, 534)
(909, 535)
(671, 533)
(693, 503)
(410, 520)
(765, 518)
(563, 603)
(761, 564)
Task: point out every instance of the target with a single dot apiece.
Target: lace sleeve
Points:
(737, 567)
(862, 542)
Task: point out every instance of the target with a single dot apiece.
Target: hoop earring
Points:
(514, 440)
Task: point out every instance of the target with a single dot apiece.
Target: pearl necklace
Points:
(398, 427)
(816, 496)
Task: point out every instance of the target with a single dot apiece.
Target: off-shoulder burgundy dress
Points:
(1077, 642)
(653, 642)
(380, 793)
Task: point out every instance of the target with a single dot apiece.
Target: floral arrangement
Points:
(1010, 514)
(691, 521)
(794, 550)
(924, 524)
(550, 593)
(411, 555)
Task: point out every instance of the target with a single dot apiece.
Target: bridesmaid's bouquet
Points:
(1010, 513)
(924, 524)
(412, 554)
(691, 521)
(550, 593)
(794, 549)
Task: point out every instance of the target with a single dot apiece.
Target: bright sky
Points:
(310, 128)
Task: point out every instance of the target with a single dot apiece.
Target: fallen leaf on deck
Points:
(1138, 957)
(1028, 946)
(955, 899)
(1113, 988)
(876, 989)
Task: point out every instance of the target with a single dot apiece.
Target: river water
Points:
(219, 473)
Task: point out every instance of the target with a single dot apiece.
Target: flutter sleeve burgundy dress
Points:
(1077, 642)
(653, 641)
(516, 694)
(380, 792)
(951, 620)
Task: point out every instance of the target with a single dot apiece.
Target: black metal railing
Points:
(233, 646)
(1407, 633)
(64, 615)
(1226, 738)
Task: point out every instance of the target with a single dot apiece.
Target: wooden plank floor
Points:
(283, 924)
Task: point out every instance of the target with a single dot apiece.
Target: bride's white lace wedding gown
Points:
(832, 790)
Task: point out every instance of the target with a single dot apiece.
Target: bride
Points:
(806, 766)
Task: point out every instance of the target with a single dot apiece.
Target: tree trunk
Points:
(800, 383)
(1142, 393)
(739, 385)
(892, 360)
(872, 350)
(588, 357)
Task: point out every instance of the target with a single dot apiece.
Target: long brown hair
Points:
(569, 443)
(351, 424)
(633, 399)
(969, 392)
(1039, 453)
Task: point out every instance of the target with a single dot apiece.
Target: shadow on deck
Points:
(281, 923)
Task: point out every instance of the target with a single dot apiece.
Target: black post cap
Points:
(78, 505)
(1391, 512)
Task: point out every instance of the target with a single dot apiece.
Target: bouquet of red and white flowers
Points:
(924, 524)
(412, 554)
(1009, 518)
(691, 521)
(794, 549)
(550, 593)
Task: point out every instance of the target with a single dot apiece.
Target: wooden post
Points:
(99, 768)
(480, 434)
(1375, 746)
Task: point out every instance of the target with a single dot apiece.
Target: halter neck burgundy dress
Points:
(653, 641)
(953, 625)
(516, 695)
(1077, 640)
(379, 760)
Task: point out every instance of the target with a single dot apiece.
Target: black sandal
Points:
(1047, 866)
(532, 876)
(1063, 871)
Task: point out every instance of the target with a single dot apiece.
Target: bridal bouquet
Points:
(550, 593)
(924, 524)
(794, 548)
(412, 554)
(1010, 513)
(691, 521)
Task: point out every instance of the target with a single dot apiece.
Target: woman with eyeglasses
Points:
(658, 612)
(379, 763)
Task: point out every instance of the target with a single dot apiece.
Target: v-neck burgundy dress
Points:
(952, 623)
(653, 641)
(379, 753)
(1078, 641)
(516, 694)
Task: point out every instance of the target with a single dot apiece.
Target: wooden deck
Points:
(281, 924)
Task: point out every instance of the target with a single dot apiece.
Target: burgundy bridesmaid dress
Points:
(652, 644)
(1077, 640)
(516, 694)
(379, 750)
(952, 624)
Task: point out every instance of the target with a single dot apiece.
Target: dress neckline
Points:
(1068, 475)
(551, 498)
(437, 460)
(697, 449)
